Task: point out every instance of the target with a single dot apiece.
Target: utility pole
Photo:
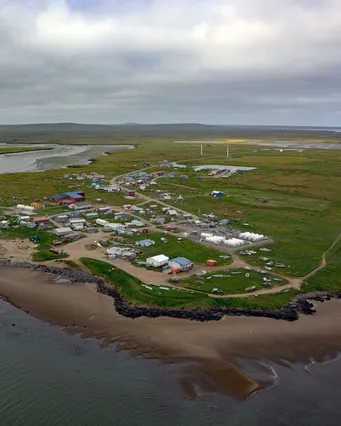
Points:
(201, 149)
(227, 151)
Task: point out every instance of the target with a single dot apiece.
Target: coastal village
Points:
(150, 236)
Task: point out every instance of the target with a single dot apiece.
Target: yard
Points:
(230, 281)
(44, 238)
(132, 290)
(174, 247)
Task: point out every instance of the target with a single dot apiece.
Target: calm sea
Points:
(48, 378)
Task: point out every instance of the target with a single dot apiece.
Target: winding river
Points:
(57, 157)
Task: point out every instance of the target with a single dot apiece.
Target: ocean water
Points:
(50, 378)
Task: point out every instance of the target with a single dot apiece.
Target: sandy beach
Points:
(211, 347)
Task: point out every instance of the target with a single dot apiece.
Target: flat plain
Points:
(301, 215)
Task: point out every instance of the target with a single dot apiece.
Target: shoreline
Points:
(301, 305)
(207, 352)
(26, 151)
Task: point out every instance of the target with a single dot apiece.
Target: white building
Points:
(102, 222)
(77, 226)
(62, 231)
(115, 226)
(80, 206)
(172, 212)
(157, 261)
(77, 220)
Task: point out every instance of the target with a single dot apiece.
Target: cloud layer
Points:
(213, 61)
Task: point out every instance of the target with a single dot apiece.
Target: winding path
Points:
(151, 276)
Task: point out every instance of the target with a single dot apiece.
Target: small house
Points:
(180, 263)
(83, 205)
(212, 216)
(62, 218)
(145, 243)
(119, 216)
(104, 209)
(24, 218)
(160, 219)
(77, 226)
(91, 215)
(38, 205)
(137, 223)
(30, 225)
(216, 194)
(115, 226)
(172, 212)
(157, 261)
(41, 220)
(77, 220)
(102, 222)
(62, 231)
(187, 216)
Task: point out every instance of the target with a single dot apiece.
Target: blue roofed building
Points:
(180, 263)
(145, 243)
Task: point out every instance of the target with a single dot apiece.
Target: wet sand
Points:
(208, 349)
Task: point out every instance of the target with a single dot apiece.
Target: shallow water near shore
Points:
(49, 377)
(56, 157)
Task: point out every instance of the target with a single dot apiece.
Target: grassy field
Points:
(15, 150)
(233, 281)
(154, 133)
(196, 252)
(303, 214)
(44, 255)
(328, 278)
(131, 288)
(133, 291)
(45, 239)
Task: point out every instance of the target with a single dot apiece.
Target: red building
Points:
(68, 197)
(41, 219)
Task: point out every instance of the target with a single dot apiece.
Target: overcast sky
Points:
(163, 61)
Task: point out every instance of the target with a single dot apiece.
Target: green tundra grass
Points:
(196, 252)
(303, 215)
(231, 281)
(131, 288)
(15, 149)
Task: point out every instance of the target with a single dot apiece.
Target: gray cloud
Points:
(214, 61)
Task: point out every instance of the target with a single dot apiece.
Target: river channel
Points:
(57, 157)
